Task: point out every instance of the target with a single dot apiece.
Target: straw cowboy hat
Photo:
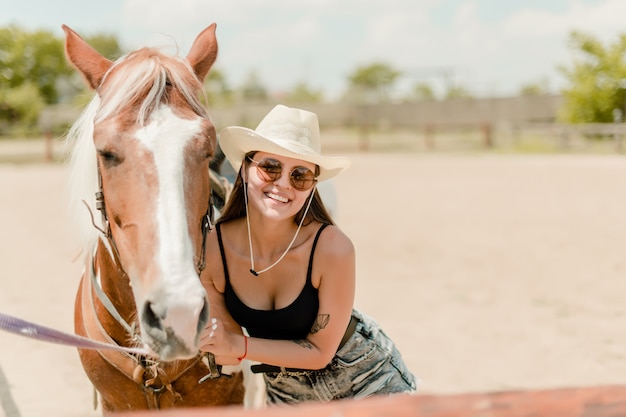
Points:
(285, 131)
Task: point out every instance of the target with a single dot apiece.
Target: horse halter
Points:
(106, 231)
(138, 364)
(206, 226)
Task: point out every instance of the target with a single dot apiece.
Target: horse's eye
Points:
(109, 158)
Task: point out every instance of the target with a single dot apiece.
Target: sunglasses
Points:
(270, 170)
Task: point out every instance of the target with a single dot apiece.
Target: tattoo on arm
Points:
(304, 343)
(320, 323)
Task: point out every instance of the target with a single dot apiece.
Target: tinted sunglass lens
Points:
(271, 168)
(302, 178)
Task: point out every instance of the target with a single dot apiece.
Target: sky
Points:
(489, 47)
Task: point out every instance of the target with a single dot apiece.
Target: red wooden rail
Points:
(602, 401)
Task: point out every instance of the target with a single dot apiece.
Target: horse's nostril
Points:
(204, 316)
(150, 317)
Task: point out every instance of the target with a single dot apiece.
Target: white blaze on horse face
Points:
(177, 296)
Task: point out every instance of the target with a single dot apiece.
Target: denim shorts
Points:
(368, 364)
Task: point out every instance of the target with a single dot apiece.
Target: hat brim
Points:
(237, 141)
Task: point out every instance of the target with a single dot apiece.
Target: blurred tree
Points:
(535, 89)
(456, 91)
(302, 93)
(253, 89)
(34, 71)
(423, 92)
(373, 82)
(20, 106)
(597, 80)
(35, 57)
(217, 89)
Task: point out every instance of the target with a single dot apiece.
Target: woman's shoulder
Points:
(213, 239)
(334, 258)
(333, 242)
(225, 228)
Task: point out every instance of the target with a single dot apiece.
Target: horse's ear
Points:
(86, 59)
(203, 52)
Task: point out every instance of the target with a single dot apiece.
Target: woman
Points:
(282, 270)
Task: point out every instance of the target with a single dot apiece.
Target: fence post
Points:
(516, 135)
(564, 137)
(429, 137)
(365, 127)
(48, 154)
(487, 135)
(617, 137)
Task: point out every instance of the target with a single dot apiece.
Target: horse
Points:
(140, 155)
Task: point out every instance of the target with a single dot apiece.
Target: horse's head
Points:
(152, 139)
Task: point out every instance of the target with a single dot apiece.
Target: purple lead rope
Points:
(46, 334)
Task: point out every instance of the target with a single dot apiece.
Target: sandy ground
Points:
(490, 272)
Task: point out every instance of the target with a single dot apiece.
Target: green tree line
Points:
(34, 74)
(596, 79)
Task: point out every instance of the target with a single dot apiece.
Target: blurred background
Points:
(436, 75)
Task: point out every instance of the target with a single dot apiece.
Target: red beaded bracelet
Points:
(245, 353)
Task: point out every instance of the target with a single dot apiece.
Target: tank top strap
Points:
(218, 229)
(317, 236)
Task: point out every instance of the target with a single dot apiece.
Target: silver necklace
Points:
(252, 270)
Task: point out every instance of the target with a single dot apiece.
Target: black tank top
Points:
(288, 323)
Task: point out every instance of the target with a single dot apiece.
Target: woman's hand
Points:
(225, 345)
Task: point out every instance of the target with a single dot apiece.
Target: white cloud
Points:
(490, 46)
(324, 40)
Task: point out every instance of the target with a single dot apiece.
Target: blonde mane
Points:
(142, 76)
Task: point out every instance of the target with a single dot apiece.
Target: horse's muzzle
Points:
(173, 332)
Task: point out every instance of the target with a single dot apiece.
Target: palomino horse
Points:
(143, 145)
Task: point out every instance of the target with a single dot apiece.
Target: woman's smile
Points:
(277, 197)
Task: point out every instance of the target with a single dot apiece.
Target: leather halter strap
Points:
(123, 362)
